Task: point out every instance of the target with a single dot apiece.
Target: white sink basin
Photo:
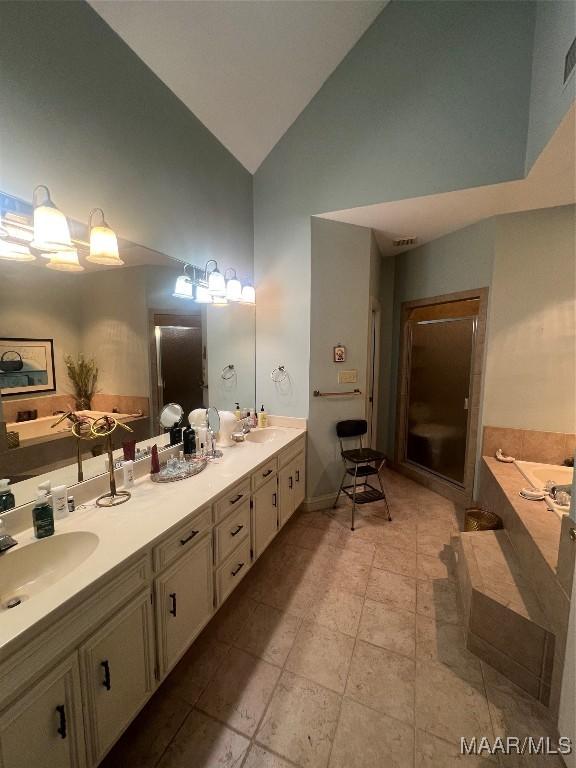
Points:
(26, 571)
(267, 435)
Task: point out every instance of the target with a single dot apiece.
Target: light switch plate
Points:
(347, 377)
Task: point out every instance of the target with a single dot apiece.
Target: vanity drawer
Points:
(264, 473)
(232, 500)
(232, 571)
(232, 531)
(182, 539)
(291, 451)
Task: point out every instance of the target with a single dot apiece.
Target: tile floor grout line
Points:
(350, 664)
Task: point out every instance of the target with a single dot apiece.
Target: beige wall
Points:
(36, 302)
(530, 375)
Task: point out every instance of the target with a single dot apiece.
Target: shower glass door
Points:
(441, 346)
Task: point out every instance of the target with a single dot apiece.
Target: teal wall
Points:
(83, 114)
(434, 97)
(550, 98)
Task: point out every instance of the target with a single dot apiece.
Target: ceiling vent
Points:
(403, 242)
(570, 60)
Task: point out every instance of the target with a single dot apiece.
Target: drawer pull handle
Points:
(106, 666)
(236, 498)
(237, 531)
(268, 472)
(172, 597)
(62, 730)
(189, 538)
(297, 475)
(290, 483)
(237, 570)
(274, 499)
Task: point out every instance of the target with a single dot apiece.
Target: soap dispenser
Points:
(238, 412)
(42, 514)
(7, 500)
(262, 418)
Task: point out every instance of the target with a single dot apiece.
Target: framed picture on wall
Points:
(26, 366)
(339, 354)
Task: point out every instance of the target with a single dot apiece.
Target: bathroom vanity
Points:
(113, 600)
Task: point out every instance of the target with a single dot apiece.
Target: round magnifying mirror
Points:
(172, 414)
(213, 419)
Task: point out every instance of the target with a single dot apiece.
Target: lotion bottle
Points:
(128, 469)
(7, 500)
(262, 418)
(60, 502)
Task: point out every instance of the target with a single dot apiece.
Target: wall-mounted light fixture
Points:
(233, 285)
(51, 231)
(248, 294)
(216, 282)
(184, 288)
(65, 261)
(103, 242)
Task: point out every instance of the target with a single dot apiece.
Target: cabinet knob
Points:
(237, 569)
(62, 729)
(236, 531)
(274, 499)
(106, 666)
(236, 498)
(297, 475)
(290, 483)
(268, 472)
(172, 597)
(572, 533)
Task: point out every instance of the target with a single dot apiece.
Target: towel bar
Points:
(352, 393)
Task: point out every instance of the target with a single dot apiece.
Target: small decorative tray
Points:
(184, 470)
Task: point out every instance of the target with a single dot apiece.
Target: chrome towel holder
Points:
(352, 393)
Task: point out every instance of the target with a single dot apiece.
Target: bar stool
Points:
(359, 463)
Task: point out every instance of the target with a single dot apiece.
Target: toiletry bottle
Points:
(71, 504)
(175, 434)
(42, 515)
(60, 502)
(128, 469)
(7, 500)
(238, 412)
(189, 438)
(262, 418)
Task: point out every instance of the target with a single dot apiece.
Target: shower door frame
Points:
(460, 493)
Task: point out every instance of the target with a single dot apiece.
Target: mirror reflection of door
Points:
(180, 354)
(441, 347)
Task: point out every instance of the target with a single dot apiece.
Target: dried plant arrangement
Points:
(83, 374)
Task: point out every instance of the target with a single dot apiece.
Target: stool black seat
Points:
(360, 463)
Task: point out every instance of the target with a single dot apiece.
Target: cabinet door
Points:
(44, 727)
(265, 516)
(117, 665)
(286, 484)
(184, 602)
(299, 479)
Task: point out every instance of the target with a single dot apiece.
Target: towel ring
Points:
(279, 374)
(228, 372)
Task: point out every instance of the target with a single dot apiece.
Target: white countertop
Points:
(129, 529)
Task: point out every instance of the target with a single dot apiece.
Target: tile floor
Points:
(339, 649)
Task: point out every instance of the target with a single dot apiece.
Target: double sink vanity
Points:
(105, 608)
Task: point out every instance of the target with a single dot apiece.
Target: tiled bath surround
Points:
(529, 445)
(340, 649)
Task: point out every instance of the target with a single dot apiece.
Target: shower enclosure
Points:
(439, 360)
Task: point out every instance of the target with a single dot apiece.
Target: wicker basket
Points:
(13, 439)
(478, 519)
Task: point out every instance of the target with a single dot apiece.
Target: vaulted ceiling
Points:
(245, 68)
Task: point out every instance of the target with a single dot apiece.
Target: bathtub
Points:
(539, 474)
(42, 427)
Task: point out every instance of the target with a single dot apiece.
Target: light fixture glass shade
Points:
(15, 252)
(51, 232)
(248, 295)
(233, 289)
(219, 301)
(65, 261)
(104, 247)
(216, 283)
(183, 288)
(203, 295)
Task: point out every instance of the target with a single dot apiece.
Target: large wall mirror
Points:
(123, 325)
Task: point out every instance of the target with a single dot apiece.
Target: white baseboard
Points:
(318, 502)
